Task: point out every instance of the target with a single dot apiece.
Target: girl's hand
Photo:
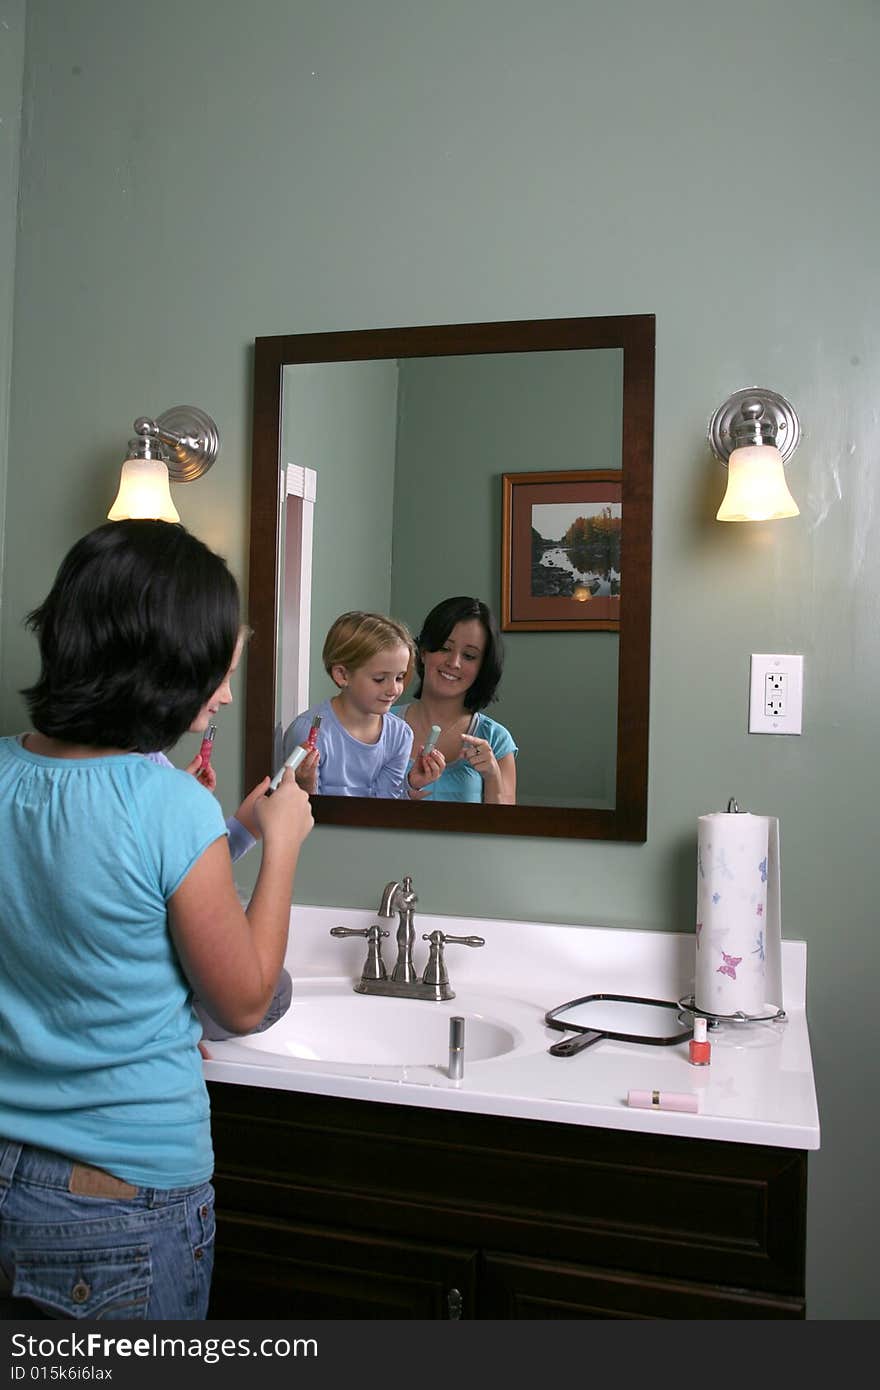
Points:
(307, 772)
(426, 770)
(287, 814)
(206, 775)
(245, 812)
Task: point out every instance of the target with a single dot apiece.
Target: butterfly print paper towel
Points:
(738, 930)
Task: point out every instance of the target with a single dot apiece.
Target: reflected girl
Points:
(459, 659)
(363, 749)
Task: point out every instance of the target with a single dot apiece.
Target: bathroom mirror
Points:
(377, 483)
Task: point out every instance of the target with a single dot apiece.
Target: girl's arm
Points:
(232, 958)
(392, 780)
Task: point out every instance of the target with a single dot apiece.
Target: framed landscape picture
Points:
(560, 551)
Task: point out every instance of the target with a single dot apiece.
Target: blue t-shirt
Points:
(459, 781)
(99, 1055)
(348, 767)
(240, 838)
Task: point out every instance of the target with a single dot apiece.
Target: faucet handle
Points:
(435, 971)
(459, 940)
(374, 966)
(358, 931)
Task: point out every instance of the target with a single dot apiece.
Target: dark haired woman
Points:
(116, 903)
(460, 657)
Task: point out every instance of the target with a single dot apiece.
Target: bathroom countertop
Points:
(758, 1089)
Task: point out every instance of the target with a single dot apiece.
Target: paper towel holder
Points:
(688, 1005)
(733, 806)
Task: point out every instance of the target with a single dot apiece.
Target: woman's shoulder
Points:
(158, 777)
(496, 734)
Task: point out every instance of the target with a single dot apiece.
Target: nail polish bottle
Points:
(700, 1049)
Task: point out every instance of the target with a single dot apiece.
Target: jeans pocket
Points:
(201, 1236)
(101, 1284)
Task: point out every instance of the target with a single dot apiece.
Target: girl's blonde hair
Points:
(356, 637)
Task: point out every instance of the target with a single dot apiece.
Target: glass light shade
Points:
(143, 492)
(756, 486)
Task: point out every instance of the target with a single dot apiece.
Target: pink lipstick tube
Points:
(664, 1100)
(208, 744)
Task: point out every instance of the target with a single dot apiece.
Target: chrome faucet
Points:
(400, 898)
(404, 982)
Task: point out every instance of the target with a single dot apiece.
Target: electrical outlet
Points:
(776, 694)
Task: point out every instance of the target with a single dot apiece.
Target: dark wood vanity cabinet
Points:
(330, 1208)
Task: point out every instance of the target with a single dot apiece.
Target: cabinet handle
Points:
(453, 1303)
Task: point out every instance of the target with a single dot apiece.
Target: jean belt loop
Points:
(10, 1153)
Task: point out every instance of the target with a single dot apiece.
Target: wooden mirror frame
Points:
(634, 334)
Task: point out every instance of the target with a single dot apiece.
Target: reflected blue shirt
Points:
(459, 781)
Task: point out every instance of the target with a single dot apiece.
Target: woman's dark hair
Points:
(136, 634)
(437, 627)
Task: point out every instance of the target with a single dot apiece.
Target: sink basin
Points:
(325, 1024)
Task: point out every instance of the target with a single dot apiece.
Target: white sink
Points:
(330, 1023)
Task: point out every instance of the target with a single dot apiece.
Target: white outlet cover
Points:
(791, 722)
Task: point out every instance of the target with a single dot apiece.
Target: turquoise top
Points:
(459, 781)
(99, 1056)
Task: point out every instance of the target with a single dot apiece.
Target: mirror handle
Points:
(570, 1046)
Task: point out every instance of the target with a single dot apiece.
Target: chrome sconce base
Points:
(188, 441)
(777, 423)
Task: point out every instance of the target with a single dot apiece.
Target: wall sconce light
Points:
(754, 432)
(178, 446)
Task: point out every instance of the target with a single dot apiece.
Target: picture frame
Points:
(561, 551)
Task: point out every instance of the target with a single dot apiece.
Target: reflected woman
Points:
(459, 659)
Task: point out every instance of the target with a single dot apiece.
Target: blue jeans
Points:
(76, 1242)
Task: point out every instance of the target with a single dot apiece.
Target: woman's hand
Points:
(477, 753)
(425, 770)
(499, 779)
(206, 775)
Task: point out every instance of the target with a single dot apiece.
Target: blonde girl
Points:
(362, 748)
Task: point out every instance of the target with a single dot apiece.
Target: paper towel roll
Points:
(738, 948)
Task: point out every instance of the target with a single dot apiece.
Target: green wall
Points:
(339, 418)
(12, 15)
(197, 173)
(463, 421)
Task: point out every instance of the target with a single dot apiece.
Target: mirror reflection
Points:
(384, 464)
(406, 458)
(440, 745)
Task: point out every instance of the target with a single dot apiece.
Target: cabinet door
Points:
(266, 1269)
(511, 1287)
